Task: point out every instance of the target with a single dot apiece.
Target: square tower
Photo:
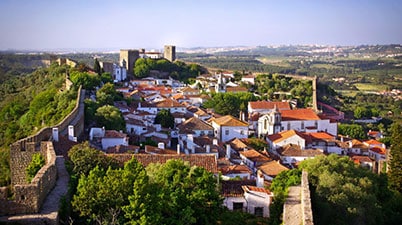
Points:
(169, 52)
(128, 58)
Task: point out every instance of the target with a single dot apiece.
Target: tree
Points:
(165, 119)
(88, 81)
(362, 112)
(97, 67)
(352, 130)
(38, 161)
(107, 94)
(342, 192)
(110, 117)
(188, 195)
(84, 159)
(101, 195)
(395, 173)
(141, 68)
(229, 103)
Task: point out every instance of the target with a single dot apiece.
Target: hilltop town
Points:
(162, 117)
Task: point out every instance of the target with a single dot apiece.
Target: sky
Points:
(115, 24)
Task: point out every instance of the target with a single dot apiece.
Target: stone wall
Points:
(28, 198)
(307, 211)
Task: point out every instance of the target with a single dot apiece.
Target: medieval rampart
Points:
(28, 197)
(307, 211)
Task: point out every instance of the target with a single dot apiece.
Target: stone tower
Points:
(169, 53)
(276, 119)
(314, 84)
(129, 56)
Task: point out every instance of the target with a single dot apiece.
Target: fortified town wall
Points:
(29, 197)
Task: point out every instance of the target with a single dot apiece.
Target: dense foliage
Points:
(345, 193)
(171, 193)
(279, 187)
(177, 70)
(352, 130)
(38, 161)
(230, 103)
(395, 174)
(165, 118)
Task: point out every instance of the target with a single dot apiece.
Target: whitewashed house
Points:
(228, 127)
(113, 138)
(258, 200)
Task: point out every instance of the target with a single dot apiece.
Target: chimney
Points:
(161, 145)
(208, 148)
(71, 132)
(55, 134)
(178, 149)
(215, 141)
(228, 151)
(260, 179)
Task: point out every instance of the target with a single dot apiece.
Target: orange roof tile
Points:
(299, 114)
(378, 150)
(114, 134)
(229, 121)
(233, 188)
(235, 169)
(168, 103)
(236, 89)
(255, 156)
(361, 158)
(284, 135)
(321, 135)
(192, 124)
(269, 105)
(295, 150)
(272, 168)
(373, 142)
(249, 188)
(207, 161)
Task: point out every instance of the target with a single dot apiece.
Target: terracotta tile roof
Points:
(254, 117)
(168, 103)
(188, 89)
(122, 149)
(358, 144)
(237, 144)
(155, 150)
(295, 150)
(373, 142)
(378, 150)
(229, 121)
(192, 124)
(207, 161)
(249, 188)
(269, 105)
(233, 188)
(321, 136)
(249, 76)
(361, 158)
(235, 169)
(272, 168)
(284, 135)
(299, 114)
(236, 89)
(203, 140)
(255, 156)
(114, 134)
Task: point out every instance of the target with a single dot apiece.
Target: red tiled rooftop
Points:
(378, 150)
(114, 134)
(256, 189)
(299, 114)
(269, 105)
(229, 121)
(255, 156)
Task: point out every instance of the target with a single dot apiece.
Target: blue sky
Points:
(77, 24)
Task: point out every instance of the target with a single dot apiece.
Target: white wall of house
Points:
(135, 129)
(376, 156)
(295, 139)
(225, 133)
(241, 175)
(110, 142)
(228, 202)
(257, 199)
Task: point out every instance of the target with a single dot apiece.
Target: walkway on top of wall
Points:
(292, 213)
(49, 212)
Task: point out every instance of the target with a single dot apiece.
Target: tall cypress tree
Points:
(97, 67)
(395, 174)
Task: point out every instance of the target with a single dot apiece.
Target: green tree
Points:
(362, 112)
(352, 130)
(88, 81)
(110, 117)
(229, 103)
(395, 173)
(342, 192)
(188, 195)
(165, 119)
(38, 161)
(107, 94)
(141, 68)
(84, 159)
(97, 67)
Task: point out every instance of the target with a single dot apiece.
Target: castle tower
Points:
(129, 56)
(315, 107)
(169, 52)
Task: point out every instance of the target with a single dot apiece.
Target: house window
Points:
(302, 125)
(265, 124)
(226, 132)
(241, 132)
(259, 211)
(237, 206)
(132, 130)
(288, 126)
